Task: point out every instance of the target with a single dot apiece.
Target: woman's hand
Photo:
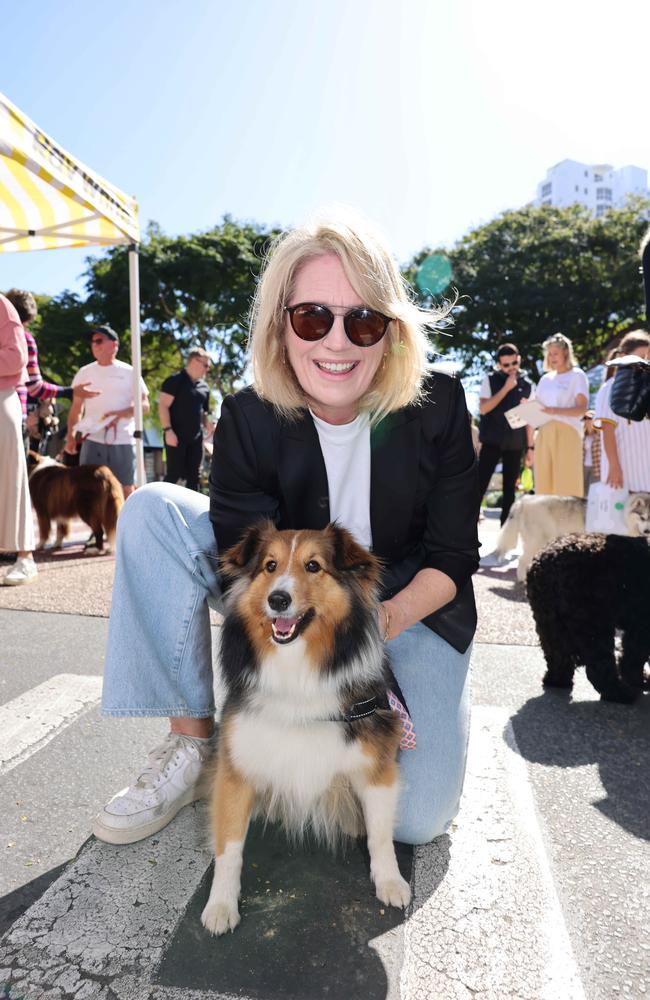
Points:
(615, 475)
(81, 392)
(171, 439)
(70, 445)
(429, 590)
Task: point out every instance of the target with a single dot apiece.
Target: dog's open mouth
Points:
(287, 629)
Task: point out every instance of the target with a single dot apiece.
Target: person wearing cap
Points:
(106, 422)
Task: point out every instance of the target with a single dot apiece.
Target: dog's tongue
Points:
(285, 625)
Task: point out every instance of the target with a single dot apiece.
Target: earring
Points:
(383, 364)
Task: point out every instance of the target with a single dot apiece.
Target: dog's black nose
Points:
(279, 600)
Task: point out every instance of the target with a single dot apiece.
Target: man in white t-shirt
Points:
(106, 422)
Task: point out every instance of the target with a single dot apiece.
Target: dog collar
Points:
(360, 710)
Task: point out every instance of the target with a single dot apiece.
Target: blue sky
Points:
(429, 116)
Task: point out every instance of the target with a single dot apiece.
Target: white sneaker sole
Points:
(132, 834)
(18, 583)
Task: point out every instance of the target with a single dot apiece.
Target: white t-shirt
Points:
(346, 451)
(632, 444)
(560, 389)
(115, 385)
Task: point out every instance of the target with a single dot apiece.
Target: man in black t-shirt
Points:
(502, 389)
(183, 406)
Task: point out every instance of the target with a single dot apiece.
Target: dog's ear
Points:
(242, 558)
(351, 557)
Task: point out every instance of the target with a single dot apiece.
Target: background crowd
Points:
(562, 454)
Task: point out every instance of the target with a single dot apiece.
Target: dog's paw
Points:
(620, 694)
(220, 917)
(394, 892)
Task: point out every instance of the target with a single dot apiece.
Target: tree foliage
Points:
(195, 291)
(537, 271)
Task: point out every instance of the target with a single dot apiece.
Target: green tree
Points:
(61, 329)
(195, 290)
(533, 272)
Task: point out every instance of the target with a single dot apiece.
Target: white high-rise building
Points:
(596, 185)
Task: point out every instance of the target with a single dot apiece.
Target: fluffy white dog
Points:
(539, 520)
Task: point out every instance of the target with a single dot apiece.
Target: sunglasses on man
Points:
(363, 327)
(506, 365)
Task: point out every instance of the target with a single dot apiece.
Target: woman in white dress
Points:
(563, 391)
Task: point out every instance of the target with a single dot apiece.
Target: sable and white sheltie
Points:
(59, 493)
(306, 735)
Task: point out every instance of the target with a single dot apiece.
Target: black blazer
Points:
(423, 489)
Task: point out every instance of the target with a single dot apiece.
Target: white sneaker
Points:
(23, 571)
(167, 783)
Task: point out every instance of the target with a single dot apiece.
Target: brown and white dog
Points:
(306, 735)
(59, 493)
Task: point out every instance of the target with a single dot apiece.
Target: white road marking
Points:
(29, 722)
(485, 904)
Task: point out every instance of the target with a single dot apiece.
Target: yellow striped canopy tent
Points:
(49, 200)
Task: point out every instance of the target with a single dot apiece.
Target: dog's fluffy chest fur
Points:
(297, 761)
(283, 737)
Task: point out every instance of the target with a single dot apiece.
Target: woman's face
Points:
(333, 372)
(557, 357)
(642, 352)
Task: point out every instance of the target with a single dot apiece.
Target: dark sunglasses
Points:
(101, 340)
(364, 327)
(509, 364)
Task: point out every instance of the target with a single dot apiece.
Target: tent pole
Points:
(136, 358)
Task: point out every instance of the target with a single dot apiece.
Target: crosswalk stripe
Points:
(495, 887)
(29, 722)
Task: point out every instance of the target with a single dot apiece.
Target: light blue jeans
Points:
(159, 654)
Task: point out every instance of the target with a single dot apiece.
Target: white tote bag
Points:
(605, 509)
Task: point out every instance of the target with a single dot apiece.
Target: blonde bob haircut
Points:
(376, 279)
(559, 340)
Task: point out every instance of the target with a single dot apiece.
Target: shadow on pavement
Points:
(307, 919)
(14, 904)
(555, 731)
(517, 592)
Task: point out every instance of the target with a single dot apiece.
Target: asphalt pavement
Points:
(539, 891)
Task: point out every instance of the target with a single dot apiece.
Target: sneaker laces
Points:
(160, 758)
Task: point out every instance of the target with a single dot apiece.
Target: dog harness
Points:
(362, 709)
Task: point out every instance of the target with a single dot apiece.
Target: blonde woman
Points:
(563, 391)
(344, 422)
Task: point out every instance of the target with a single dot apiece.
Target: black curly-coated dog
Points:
(581, 589)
